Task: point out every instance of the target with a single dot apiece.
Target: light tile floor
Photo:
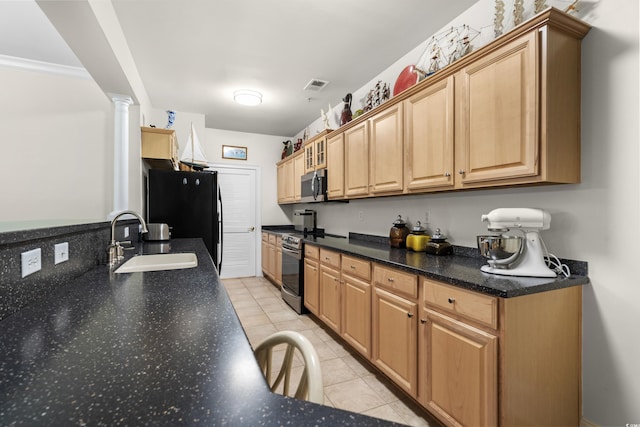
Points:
(349, 382)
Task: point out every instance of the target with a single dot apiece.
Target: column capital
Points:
(120, 99)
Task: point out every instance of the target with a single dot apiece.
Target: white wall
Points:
(596, 221)
(57, 139)
(263, 151)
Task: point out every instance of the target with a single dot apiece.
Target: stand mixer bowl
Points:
(500, 251)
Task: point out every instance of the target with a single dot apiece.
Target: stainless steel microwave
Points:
(314, 187)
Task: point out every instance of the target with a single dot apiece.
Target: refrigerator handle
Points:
(221, 234)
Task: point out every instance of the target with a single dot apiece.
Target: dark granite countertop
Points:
(155, 348)
(461, 271)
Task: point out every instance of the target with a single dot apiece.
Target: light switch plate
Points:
(31, 261)
(61, 252)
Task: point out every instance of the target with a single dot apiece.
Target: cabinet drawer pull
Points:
(352, 266)
(451, 300)
(390, 279)
(409, 314)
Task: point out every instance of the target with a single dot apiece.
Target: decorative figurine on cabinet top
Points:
(346, 115)
(171, 117)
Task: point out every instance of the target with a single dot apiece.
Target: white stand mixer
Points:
(529, 260)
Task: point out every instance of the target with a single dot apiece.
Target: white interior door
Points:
(238, 191)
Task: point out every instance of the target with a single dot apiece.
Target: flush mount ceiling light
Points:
(247, 97)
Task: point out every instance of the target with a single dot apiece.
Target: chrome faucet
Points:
(115, 249)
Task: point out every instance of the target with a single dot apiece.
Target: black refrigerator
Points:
(190, 203)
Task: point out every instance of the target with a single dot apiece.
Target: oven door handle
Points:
(296, 253)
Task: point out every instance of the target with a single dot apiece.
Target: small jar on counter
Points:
(398, 233)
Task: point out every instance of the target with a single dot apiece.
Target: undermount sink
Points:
(158, 262)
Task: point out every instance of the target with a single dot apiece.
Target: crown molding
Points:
(44, 67)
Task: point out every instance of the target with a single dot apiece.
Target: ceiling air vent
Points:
(315, 85)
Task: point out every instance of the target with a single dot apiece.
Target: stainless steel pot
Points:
(157, 232)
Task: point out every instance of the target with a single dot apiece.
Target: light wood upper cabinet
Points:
(507, 114)
(497, 136)
(289, 172)
(335, 167)
(429, 137)
(315, 153)
(159, 147)
(386, 151)
(298, 171)
(309, 158)
(320, 153)
(356, 161)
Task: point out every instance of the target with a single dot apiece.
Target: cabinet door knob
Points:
(451, 300)
(461, 171)
(353, 266)
(390, 279)
(447, 174)
(423, 321)
(409, 314)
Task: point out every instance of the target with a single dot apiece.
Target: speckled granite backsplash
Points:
(87, 248)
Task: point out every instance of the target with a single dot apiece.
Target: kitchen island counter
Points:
(458, 270)
(154, 348)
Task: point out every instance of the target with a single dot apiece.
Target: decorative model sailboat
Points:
(193, 155)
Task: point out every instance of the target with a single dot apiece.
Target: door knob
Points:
(251, 228)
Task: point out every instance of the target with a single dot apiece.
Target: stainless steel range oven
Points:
(293, 272)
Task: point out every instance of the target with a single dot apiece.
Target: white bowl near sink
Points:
(159, 262)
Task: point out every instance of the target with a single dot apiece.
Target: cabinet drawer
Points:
(330, 258)
(279, 241)
(311, 251)
(356, 267)
(265, 237)
(471, 305)
(272, 239)
(396, 281)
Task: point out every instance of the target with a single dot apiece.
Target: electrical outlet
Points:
(31, 261)
(126, 232)
(360, 216)
(61, 251)
(427, 217)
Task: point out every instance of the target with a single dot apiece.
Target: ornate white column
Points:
(120, 153)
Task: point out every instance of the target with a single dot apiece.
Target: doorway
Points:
(241, 220)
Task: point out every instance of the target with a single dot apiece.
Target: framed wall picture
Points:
(233, 152)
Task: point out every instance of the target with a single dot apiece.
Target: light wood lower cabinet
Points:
(312, 279)
(500, 361)
(395, 327)
(469, 358)
(459, 371)
(312, 286)
(278, 266)
(330, 297)
(356, 304)
(272, 257)
(265, 253)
